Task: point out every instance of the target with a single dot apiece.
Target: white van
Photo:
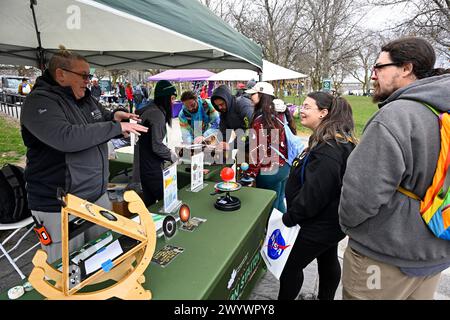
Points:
(9, 89)
(10, 84)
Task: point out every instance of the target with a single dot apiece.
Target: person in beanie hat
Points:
(152, 152)
(251, 83)
(164, 88)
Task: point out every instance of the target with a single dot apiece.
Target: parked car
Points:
(10, 84)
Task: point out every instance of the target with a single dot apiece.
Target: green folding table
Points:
(221, 257)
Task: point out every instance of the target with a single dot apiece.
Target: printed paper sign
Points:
(197, 171)
(170, 188)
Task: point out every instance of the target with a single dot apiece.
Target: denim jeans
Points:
(275, 182)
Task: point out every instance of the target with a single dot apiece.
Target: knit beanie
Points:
(165, 88)
(251, 83)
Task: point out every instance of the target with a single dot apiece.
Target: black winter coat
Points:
(312, 202)
(66, 142)
(152, 150)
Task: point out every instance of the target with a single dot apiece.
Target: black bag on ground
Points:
(13, 196)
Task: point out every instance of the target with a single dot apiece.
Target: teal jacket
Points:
(204, 122)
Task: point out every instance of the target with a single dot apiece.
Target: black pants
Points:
(152, 187)
(302, 254)
(130, 103)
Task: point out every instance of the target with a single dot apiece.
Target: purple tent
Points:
(182, 75)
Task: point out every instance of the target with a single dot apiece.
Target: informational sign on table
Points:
(171, 202)
(234, 153)
(197, 172)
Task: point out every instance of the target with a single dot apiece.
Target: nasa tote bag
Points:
(278, 243)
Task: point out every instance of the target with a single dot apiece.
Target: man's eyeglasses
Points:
(83, 75)
(376, 67)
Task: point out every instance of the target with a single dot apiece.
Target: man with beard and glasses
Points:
(391, 253)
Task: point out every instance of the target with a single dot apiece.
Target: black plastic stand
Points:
(227, 203)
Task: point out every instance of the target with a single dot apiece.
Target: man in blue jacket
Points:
(66, 132)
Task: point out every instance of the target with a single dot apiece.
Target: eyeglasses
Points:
(376, 67)
(305, 107)
(83, 75)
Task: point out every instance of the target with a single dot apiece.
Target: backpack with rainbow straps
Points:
(435, 206)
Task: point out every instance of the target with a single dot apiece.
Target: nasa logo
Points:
(276, 245)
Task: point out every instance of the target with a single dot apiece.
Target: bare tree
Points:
(316, 37)
(21, 70)
(335, 36)
(360, 67)
(101, 73)
(337, 74)
(427, 18)
(116, 73)
(278, 26)
(220, 7)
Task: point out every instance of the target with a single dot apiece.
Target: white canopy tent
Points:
(117, 34)
(234, 75)
(270, 72)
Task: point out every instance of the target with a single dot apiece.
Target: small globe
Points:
(244, 166)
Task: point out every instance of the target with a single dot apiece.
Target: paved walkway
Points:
(268, 286)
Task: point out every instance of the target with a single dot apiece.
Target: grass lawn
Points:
(11, 144)
(362, 107)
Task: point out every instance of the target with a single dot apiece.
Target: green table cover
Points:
(220, 258)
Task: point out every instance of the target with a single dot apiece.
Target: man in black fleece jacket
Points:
(235, 114)
(65, 131)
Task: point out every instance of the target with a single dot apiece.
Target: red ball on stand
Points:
(227, 174)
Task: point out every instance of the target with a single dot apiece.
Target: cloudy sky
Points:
(381, 18)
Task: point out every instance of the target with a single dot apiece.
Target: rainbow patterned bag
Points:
(435, 206)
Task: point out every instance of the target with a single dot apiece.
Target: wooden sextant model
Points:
(127, 269)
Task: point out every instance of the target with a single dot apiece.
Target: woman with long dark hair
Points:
(312, 194)
(267, 142)
(152, 149)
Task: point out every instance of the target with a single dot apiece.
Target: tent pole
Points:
(40, 50)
